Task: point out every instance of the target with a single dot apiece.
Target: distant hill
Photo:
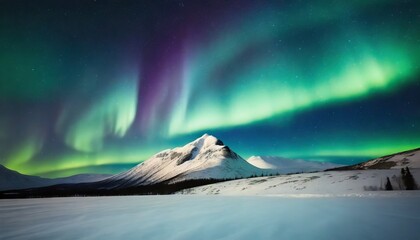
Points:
(286, 165)
(10, 179)
(410, 159)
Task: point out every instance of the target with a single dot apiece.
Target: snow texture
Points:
(383, 216)
(336, 183)
(410, 159)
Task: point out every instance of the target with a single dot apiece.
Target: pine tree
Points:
(388, 185)
(409, 182)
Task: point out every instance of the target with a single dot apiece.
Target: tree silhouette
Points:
(388, 185)
(408, 179)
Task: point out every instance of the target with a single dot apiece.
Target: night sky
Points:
(98, 86)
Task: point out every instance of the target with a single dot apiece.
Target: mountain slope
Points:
(285, 165)
(10, 179)
(205, 158)
(410, 159)
(366, 177)
(332, 183)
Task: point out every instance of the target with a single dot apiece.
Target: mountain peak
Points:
(206, 141)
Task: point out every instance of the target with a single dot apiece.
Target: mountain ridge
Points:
(11, 179)
(408, 158)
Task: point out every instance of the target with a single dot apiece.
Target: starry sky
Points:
(99, 86)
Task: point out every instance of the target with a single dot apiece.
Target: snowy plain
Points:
(334, 183)
(383, 215)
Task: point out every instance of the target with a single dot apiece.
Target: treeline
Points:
(77, 190)
(278, 174)
(271, 174)
(406, 181)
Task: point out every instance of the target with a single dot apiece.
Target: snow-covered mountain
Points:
(205, 158)
(285, 165)
(10, 179)
(410, 159)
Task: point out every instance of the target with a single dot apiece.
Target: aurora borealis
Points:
(96, 86)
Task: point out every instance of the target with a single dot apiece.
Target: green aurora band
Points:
(283, 80)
